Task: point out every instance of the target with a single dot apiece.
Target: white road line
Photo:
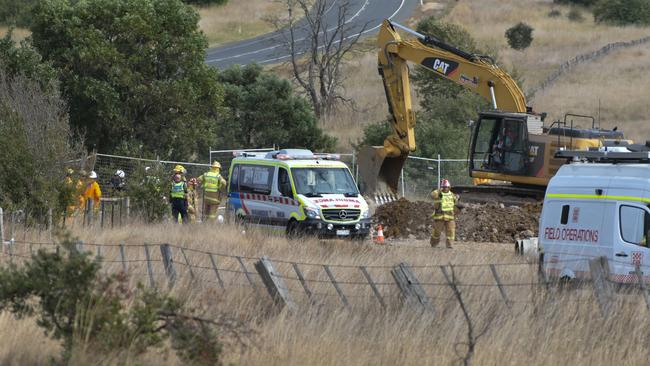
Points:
(336, 42)
(302, 39)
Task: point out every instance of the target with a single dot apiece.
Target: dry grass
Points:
(237, 20)
(568, 330)
(18, 35)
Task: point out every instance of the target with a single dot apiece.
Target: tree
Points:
(133, 73)
(264, 111)
(520, 36)
(310, 31)
(622, 12)
(16, 12)
(34, 132)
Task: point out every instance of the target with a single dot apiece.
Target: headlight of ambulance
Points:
(365, 214)
(311, 213)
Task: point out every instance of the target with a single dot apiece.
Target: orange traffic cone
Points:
(380, 234)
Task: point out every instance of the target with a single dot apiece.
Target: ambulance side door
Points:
(256, 186)
(631, 250)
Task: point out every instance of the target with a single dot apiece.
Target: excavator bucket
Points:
(379, 173)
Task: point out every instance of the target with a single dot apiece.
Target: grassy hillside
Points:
(238, 19)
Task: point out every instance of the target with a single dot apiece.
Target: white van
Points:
(297, 191)
(594, 209)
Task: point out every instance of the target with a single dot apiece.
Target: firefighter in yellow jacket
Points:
(212, 183)
(444, 204)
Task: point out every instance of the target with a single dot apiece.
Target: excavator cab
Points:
(500, 144)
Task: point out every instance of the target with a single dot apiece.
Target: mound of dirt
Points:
(491, 222)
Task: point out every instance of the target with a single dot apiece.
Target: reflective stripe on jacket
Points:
(178, 190)
(444, 204)
(211, 181)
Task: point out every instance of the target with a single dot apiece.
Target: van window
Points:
(635, 225)
(234, 179)
(284, 185)
(565, 215)
(255, 178)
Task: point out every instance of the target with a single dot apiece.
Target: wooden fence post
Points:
(168, 262)
(599, 268)
(344, 299)
(79, 246)
(301, 278)
(216, 270)
(274, 284)
(413, 293)
(149, 269)
(101, 214)
(501, 289)
(123, 257)
(644, 289)
(2, 229)
(248, 275)
(372, 286)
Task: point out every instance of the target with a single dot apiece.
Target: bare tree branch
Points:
(317, 49)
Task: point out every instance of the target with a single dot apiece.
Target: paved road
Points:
(364, 16)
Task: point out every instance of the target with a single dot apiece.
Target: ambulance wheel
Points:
(293, 229)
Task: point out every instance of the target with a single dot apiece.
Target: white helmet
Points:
(92, 175)
(120, 173)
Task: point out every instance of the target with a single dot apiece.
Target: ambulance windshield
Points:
(319, 181)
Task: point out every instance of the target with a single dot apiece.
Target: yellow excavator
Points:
(508, 143)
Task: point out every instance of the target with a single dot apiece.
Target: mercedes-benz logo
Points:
(343, 214)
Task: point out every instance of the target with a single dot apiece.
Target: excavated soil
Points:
(490, 222)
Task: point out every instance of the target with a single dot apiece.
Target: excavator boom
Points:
(382, 165)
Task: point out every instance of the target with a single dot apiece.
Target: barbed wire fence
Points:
(296, 284)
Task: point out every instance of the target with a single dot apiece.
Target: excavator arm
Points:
(379, 166)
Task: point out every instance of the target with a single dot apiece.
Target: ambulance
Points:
(298, 192)
(597, 205)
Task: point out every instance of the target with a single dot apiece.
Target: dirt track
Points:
(492, 222)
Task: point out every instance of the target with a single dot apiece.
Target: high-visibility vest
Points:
(178, 190)
(211, 181)
(446, 203)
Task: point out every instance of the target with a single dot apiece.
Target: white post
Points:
(402, 178)
(438, 171)
(421, 2)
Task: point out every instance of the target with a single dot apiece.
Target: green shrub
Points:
(520, 36)
(73, 302)
(17, 12)
(554, 13)
(623, 12)
(575, 15)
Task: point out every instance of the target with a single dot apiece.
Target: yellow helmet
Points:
(69, 171)
(179, 169)
(216, 164)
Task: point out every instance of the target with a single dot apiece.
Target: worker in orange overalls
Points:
(444, 204)
(92, 191)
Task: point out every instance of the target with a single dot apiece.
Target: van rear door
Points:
(631, 248)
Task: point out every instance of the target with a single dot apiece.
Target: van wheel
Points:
(293, 229)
